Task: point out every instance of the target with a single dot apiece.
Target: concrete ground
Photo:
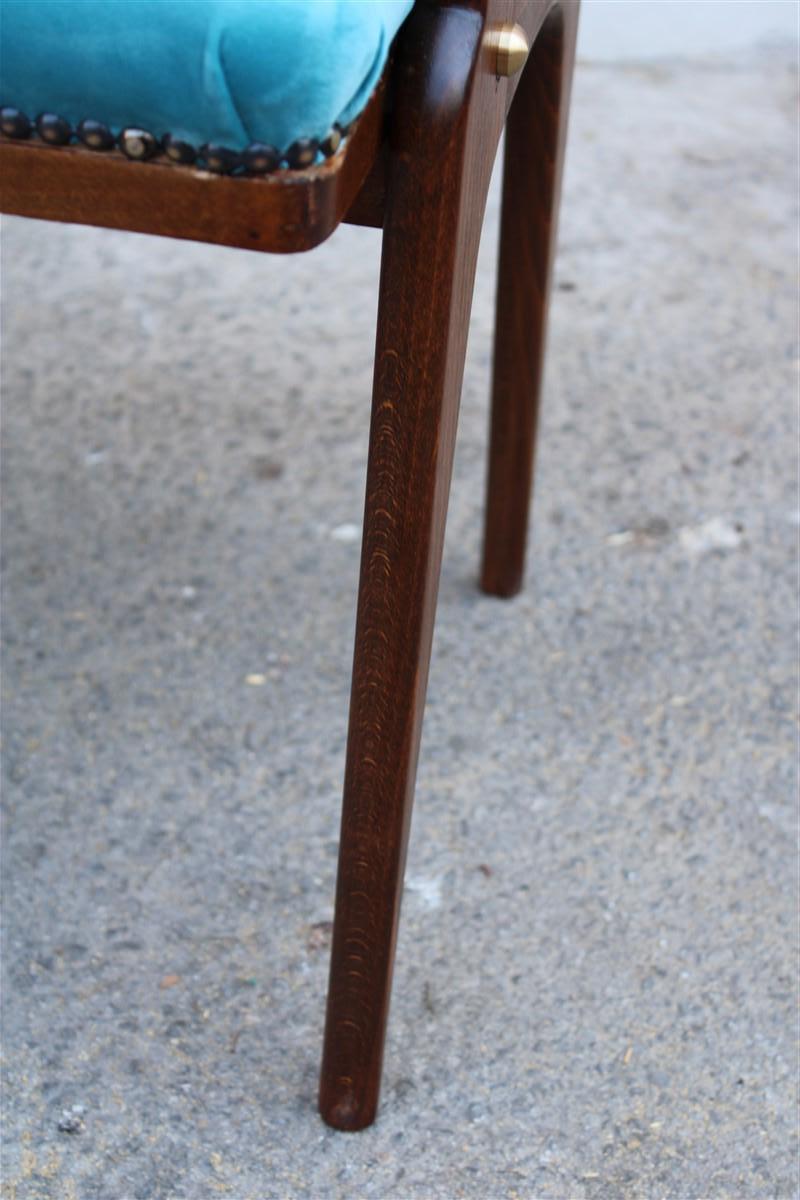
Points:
(594, 995)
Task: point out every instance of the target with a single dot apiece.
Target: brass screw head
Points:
(509, 47)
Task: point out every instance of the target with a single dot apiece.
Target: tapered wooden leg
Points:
(432, 226)
(534, 151)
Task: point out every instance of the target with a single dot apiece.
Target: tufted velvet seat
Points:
(283, 74)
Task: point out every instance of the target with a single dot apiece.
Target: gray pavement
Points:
(595, 991)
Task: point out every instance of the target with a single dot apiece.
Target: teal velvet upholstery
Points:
(224, 71)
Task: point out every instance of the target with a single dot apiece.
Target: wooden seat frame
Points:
(419, 168)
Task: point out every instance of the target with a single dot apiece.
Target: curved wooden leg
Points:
(534, 152)
(432, 228)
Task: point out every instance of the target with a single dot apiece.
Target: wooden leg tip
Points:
(344, 1111)
(503, 587)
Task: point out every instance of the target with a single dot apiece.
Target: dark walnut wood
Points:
(534, 153)
(449, 111)
(423, 176)
(281, 213)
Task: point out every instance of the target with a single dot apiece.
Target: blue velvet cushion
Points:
(225, 71)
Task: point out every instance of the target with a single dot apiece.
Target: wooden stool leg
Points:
(534, 151)
(431, 234)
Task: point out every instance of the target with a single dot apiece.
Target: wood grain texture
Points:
(534, 154)
(424, 176)
(449, 114)
(280, 213)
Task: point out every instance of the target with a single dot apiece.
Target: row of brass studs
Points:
(140, 145)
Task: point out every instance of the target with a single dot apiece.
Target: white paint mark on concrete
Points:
(717, 533)
(623, 538)
(346, 533)
(427, 888)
